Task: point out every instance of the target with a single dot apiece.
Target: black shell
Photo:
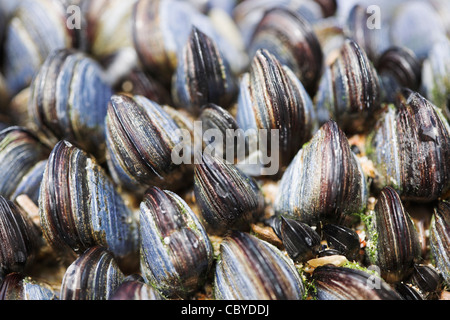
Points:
(19, 237)
(410, 149)
(300, 240)
(291, 39)
(227, 197)
(340, 283)
(393, 242)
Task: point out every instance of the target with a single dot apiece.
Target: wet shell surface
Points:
(79, 206)
(324, 182)
(176, 253)
(250, 268)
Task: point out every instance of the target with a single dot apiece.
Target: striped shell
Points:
(176, 253)
(349, 91)
(94, 275)
(440, 239)
(19, 237)
(271, 97)
(202, 76)
(141, 136)
(291, 39)
(79, 206)
(252, 269)
(227, 197)
(393, 242)
(324, 182)
(69, 99)
(22, 160)
(410, 149)
(17, 286)
(340, 283)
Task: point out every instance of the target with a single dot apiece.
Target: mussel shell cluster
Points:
(111, 190)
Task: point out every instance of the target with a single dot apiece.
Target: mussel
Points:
(226, 196)
(272, 98)
(349, 90)
(36, 28)
(109, 26)
(176, 253)
(22, 160)
(341, 283)
(324, 182)
(158, 41)
(343, 239)
(79, 206)
(440, 239)
(94, 275)
(250, 268)
(393, 243)
(141, 137)
(300, 240)
(410, 149)
(16, 286)
(21, 238)
(135, 288)
(69, 99)
(291, 39)
(398, 68)
(218, 122)
(203, 75)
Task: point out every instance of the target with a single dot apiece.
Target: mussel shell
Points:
(176, 253)
(250, 268)
(79, 206)
(249, 13)
(158, 41)
(109, 25)
(272, 97)
(410, 149)
(440, 239)
(324, 182)
(214, 117)
(291, 39)
(398, 68)
(21, 158)
(393, 242)
(302, 243)
(345, 240)
(36, 28)
(374, 41)
(340, 283)
(349, 90)
(407, 292)
(136, 290)
(17, 286)
(202, 75)
(427, 278)
(69, 99)
(140, 139)
(94, 275)
(19, 236)
(226, 196)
